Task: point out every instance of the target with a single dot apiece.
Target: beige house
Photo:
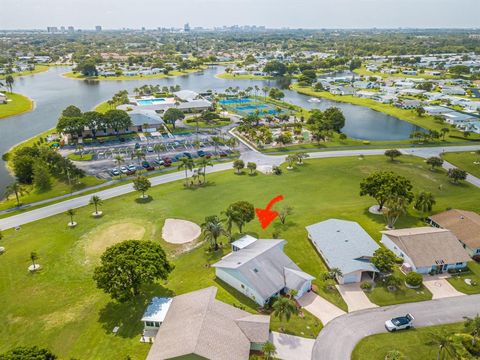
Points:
(426, 249)
(464, 224)
(197, 326)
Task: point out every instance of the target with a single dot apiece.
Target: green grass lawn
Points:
(38, 69)
(465, 161)
(228, 76)
(67, 313)
(414, 344)
(427, 122)
(363, 71)
(206, 125)
(173, 73)
(17, 105)
(458, 281)
(381, 296)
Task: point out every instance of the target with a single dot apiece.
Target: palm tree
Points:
(291, 160)
(9, 82)
(292, 293)
(203, 163)
(70, 213)
(158, 148)
(473, 326)
(216, 140)
(269, 350)
(444, 132)
(301, 156)
(395, 208)
(335, 273)
(95, 201)
(232, 217)
(187, 164)
(446, 347)
(424, 201)
(265, 90)
(33, 258)
(119, 160)
(284, 308)
(139, 154)
(16, 189)
(257, 89)
(212, 229)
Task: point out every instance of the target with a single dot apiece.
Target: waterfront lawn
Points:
(71, 316)
(381, 296)
(58, 188)
(427, 122)
(173, 73)
(38, 69)
(458, 281)
(16, 105)
(414, 343)
(465, 161)
(227, 76)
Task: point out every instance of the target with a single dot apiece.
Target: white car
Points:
(400, 323)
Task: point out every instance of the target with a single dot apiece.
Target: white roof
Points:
(186, 95)
(157, 309)
(244, 241)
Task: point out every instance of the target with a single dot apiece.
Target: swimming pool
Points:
(155, 101)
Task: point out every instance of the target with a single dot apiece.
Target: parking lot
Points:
(148, 153)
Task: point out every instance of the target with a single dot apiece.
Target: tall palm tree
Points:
(186, 164)
(424, 202)
(96, 201)
(216, 140)
(139, 154)
(212, 229)
(9, 82)
(265, 90)
(16, 189)
(70, 213)
(395, 208)
(231, 218)
(34, 258)
(284, 308)
(444, 343)
(203, 163)
(119, 160)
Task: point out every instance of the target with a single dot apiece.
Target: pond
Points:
(52, 93)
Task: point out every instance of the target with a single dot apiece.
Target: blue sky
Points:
(271, 13)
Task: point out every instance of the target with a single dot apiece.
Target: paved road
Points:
(247, 155)
(338, 338)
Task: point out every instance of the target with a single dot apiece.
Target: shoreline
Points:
(32, 107)
(128, 78)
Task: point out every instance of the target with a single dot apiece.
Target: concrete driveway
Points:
(319, 307)
(440, 287)
(291, 347)
(355, 297)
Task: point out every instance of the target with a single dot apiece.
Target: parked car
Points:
(201, 153)
(167, 162)
(149, 149)
(222, 154)
(400, 323)
(132, 167)
(187, 154)
(137, 146)
(158, 162)
(115, 172)
(121, 139)
(146, 165)
(124, 169)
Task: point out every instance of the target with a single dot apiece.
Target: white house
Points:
(344, 245)
(3, 98)
(426, 249)
(260, 270)
(154, 316)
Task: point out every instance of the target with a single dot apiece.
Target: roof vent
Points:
(462, 217)
(346, 240)
(238, 263)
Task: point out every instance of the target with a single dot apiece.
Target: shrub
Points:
(366, 286)
(414, 279)
(277, 170)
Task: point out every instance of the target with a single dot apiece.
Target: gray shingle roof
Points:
(198, 324)
(262, 264)
(343, 244)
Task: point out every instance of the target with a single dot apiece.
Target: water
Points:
(52, 93)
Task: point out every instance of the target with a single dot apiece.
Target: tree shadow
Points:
(127, 316)
(243, 300)
(141, 200)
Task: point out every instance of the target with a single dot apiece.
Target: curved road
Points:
(338, 338)
(250, 155)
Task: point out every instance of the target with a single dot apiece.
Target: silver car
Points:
(400, 323)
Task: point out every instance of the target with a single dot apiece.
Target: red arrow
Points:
(266, 216)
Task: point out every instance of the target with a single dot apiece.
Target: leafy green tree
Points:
(72, 111)
(238, 165)
(392, 154)
(23, 168)
(87, 67)
(384, 260)
(456, 175)
(382, 185)
(28, 353)
(334, 119)
(445, 345)
(240, 213)
(41, 177)
(141, 184)
(420, 111)
(444, 131)
(96, 201)
(434, 162)
(275, 67)
(212, 229)
(9, 80)
(276, 94)
(252, 167)
(472, 325)
(172, 115)
(117, 119)
(284, 308)
(129, 265)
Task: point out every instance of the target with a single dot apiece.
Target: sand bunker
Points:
(98, 241)
(177, 231)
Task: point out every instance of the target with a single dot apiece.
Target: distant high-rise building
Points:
(52, 29)
(143, 28)
(186, 27)
(98, 28)
(71, 29)
(62, 28)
